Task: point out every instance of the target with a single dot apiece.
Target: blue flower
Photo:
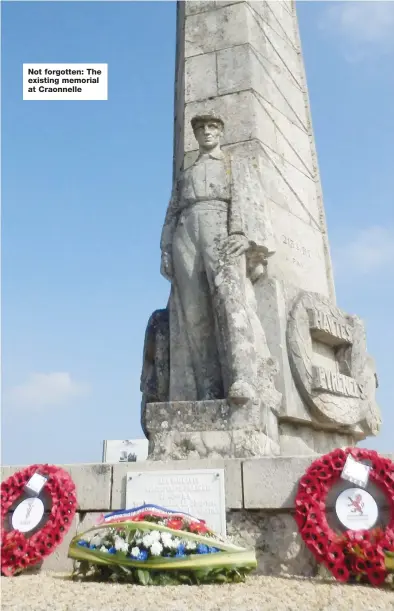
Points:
(143, 555)
(83, 543)
(181, 551)
(212, 550)
(92, 546)
(112, 550)
(202, 549)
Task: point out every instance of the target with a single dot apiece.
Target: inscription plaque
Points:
(197, 492)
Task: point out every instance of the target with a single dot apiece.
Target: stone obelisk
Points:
(242, 61)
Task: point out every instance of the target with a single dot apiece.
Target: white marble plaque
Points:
(125, 450)
(197, 492)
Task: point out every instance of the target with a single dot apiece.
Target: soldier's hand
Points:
(236, 245)
(166, 268)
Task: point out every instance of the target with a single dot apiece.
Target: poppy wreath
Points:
(351, 555)
(19, 551)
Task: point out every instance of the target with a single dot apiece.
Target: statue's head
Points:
(208, 130)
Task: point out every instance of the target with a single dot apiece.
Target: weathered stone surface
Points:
(279, 547)
(232, 473)
(272, 483)
(88, 519)
(93, 484)
(341, 393)
(207, 85)
(58, 560)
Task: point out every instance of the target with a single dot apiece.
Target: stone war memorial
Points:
(252, 356)
(252, 370)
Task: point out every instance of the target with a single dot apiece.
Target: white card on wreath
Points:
(35, 484)
(356, 472)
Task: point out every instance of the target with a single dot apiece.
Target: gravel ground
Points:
(55, 592)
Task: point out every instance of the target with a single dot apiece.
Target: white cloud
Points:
(364, 28)
(370, 250)
(45, 390)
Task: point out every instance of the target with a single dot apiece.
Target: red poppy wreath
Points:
(18, 551)
(353, 554)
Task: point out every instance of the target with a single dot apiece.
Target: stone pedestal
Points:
(209, 429)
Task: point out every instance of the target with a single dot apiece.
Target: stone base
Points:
(201, 429)
(259, 505)
(208, 429)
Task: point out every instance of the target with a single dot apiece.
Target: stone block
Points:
(271, 483)
(293, 143)
(278, 544)
(275, 48)
(279, 16)
(192, 7)
(210, 31)
(93, 484)
(296, 439)
(300, 257)
(232, 480)
(88, 519)
(241, 68)
(200, 77)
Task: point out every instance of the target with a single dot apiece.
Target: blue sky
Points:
(86, 184)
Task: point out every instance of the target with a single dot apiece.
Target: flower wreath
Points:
(353, 554)
(19, 551)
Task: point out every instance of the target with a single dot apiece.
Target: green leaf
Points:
(143, 577)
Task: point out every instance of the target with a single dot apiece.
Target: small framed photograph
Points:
(125, 450)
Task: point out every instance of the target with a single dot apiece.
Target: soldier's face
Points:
(208, 135)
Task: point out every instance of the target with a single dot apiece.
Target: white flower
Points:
(118, 543)
(166, 539)
(147, 541)
(190, 545)
(96, 540)
(175, 543)
(135, 552)
(155, 535)
(121, 545)
(156, 548)
(103, 549)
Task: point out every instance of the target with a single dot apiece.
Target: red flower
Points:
(175, 523)
(198, 528)
(376, 577)
(340, 573)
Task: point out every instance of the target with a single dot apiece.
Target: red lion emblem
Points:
(357, 503)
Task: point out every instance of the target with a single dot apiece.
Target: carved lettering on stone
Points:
(200, 493)
(344, 394)
(328, 329)
(335, 383)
